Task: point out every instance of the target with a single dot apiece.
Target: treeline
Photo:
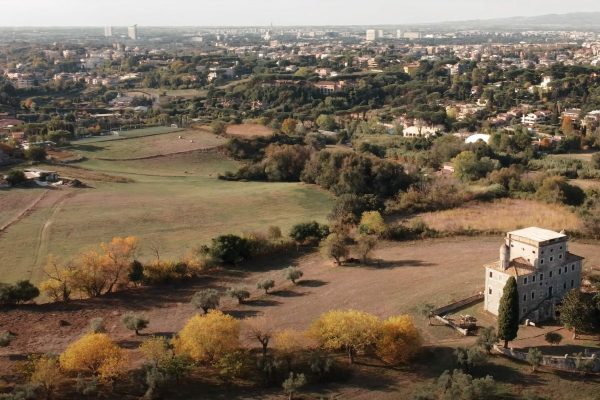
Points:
(342, 172)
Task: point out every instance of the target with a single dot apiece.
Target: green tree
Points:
(206, 299)
(326, 122)
(229, 249)
(468, 167)
(135, 322)
(292, 274)
(238, 293)
(487, 338)
(335, 246)
(534, 358)
(308, 232)
(553, 338)
(20, 292)
(576, 312)
(470, 357)
(366, 244)
(508, 312)
(266, 285)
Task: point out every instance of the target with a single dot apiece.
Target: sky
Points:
(265, 12)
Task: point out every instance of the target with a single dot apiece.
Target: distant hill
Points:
(581, 20)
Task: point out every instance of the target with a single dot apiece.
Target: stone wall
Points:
(564, 363)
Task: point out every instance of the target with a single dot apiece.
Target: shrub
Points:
(97, 325)
(553, 338)
(266, 285)
(6, 338)
(555, 189)
(229, 249)
(136, 272)
(293, 383)
(231, 365)
(470, 357)
(218, 127)
(162, 272)
(206, 299)
(135, 322)
(35, 153)
(94, 353)
(46, 374)
(292, 274)
(208, 337)
(239, 294)
(15, 177)
(309, 232)
(20, 292)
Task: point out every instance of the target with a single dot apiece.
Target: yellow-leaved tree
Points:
(349, 330)
(93, 273)
(208, 337)
(399, 340)
(287, 343)
(96, 354)
(372, 223)
(59, 285)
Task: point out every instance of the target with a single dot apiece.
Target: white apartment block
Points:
(544, 269)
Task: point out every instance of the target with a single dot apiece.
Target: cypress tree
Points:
(508, 312)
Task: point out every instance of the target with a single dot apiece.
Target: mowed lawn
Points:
(175, 202)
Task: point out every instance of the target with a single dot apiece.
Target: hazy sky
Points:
(264, 12)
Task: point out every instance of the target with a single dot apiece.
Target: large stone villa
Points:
(543, 267)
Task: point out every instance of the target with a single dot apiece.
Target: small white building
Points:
(542, 265)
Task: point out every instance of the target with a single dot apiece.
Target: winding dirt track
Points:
(44, 232)
(23, 213)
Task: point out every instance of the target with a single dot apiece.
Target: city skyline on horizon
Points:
(96, 13)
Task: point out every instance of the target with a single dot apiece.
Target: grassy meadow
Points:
(175, 201)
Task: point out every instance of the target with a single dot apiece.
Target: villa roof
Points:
(537, 234)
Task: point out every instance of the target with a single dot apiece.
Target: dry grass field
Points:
(249, 130)
(503, 215)
(408, 274)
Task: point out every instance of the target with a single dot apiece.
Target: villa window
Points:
(550, 274)
(525, 281)
(542, 261)
(572, 283)
(524, 297)
(490, 274)
(573, 267)
(565, 269)
(490, 291)
(551, 259)
(565, 286)
(533, 278)
(559, 271)
(532, 295)
(560, 256)
(541, 277)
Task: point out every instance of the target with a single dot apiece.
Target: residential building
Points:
(545, 270)
(371, 35)
(132, 32)
(108, 31)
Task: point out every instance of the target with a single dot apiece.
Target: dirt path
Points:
(23, 213)
(44, 232)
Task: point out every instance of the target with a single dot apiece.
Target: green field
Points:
(175, 201)
(129, 134)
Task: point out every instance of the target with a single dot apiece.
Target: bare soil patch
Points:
(249, 130)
